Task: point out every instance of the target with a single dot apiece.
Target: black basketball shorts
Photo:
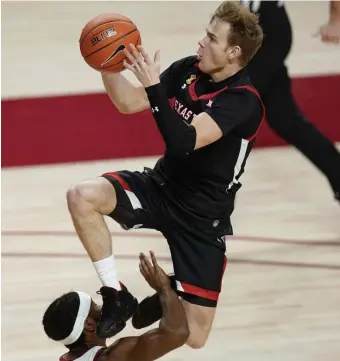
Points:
(197, 245)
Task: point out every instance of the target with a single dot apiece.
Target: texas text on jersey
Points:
(205, 181)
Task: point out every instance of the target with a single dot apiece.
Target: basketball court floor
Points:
(281, 290)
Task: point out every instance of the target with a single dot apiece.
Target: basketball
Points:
(103, 40)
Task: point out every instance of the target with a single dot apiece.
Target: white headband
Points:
(83, 312)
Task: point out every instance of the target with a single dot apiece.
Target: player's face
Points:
(95, 311)
(91, 325)
(214, 53)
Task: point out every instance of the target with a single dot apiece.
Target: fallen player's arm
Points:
(173, 332)
(126, 97)
(207, 127)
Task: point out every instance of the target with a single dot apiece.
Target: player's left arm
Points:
(227, 112)
(238, 110)
(182, 138)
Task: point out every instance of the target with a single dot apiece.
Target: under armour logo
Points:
(209, 103)
(136, 226)
(222, 239)
(155, 109)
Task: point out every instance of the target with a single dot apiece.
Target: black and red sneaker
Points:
(118, 307)
(149, 312)
(150, 309)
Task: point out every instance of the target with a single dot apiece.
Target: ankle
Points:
(106, 271)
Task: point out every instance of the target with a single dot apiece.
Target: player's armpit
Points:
(147, 347)
(207, 130)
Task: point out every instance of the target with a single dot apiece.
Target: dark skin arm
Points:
(173, 330)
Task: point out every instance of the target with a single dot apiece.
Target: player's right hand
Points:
(153, 273)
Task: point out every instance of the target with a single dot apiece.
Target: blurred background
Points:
(281, 296)
(54, 98)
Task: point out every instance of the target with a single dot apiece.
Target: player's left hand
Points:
(330, 33)
(146, 70)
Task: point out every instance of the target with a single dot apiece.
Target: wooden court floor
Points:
(281, 290)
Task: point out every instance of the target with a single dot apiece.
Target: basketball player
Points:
(189, 195)
(72, 318)
(273, 82)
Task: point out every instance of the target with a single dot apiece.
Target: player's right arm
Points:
(173, 330)
(126, 97)
(129, 99)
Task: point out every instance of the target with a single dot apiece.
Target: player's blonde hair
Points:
(245, 30)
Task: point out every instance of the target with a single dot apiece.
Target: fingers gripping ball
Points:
(103, 40)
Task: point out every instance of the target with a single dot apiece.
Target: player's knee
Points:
(98, 195)
(197, 337)
(196, 341)
(80, 196)
(200, 320)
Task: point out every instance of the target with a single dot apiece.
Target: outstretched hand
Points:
(146, 70)
(153, 273)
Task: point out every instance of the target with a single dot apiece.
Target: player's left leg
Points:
(198, 254)
(200, 320)
(198, 279)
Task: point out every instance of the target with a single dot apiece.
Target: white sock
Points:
(106, 271)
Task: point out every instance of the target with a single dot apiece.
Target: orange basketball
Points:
(103, 40)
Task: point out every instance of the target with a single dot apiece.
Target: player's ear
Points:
(234, 52)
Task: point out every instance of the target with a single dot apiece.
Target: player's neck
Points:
(226, 72)
(98, 342)
(82, 349)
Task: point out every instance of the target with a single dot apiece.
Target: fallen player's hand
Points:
(153, 273)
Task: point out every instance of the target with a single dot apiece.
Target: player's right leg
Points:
(88, 202)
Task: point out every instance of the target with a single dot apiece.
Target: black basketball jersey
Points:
(205, 181)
